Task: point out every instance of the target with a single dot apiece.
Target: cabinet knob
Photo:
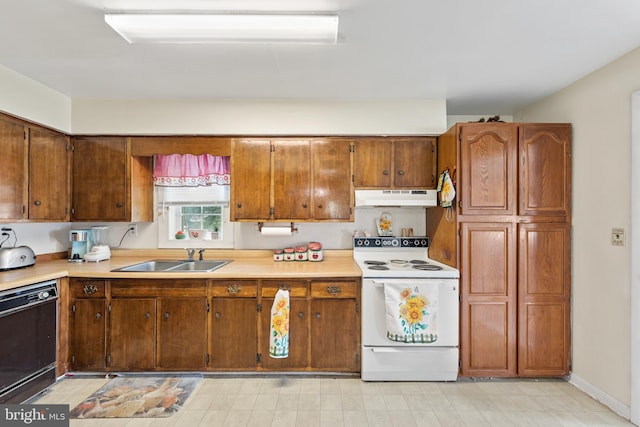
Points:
(304, 205)
(37, 202)
(433, 179)
(119, 205)
(317, 315)
(239, 205)
(166, 315)
(385, 172)
(320, 206)
(234, 288)
(301, 315)
(148, 315)
(98, 316)
(334, 290)
(217, 315)
(400, 172)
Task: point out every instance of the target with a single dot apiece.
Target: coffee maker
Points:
(80, 242)
(99, 245)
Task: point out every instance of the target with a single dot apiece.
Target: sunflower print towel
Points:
(411, 312)
(279, 334)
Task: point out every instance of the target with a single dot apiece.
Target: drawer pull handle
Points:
(90, 289)
(334, 290)
(234, 288)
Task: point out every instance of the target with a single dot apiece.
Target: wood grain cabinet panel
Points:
(182, 337)
(251, 179)
(13, 174)
(545, 172)
(487, 169)
(88, 334)
(331, 177)
(132, 334)
(291, 179)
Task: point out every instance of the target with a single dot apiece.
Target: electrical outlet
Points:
(133, 229)
(617, 236)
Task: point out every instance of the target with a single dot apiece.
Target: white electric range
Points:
(403, 263)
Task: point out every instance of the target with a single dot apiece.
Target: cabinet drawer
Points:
(88, 288)
(234, 288)
(296, 288)
(333, 289)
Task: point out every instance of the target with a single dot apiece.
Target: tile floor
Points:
(326, 401)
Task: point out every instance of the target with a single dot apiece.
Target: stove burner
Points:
(398, 261)
(369, 262)
(378, 267)
(427, 267)
(418, 262)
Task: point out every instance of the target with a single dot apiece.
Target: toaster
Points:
(16, 257)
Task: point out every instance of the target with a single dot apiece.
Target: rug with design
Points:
(138, 397)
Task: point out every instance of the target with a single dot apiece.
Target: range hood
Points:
(401, 198)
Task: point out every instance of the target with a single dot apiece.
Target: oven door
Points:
(374, 329)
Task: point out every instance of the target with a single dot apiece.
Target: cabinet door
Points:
(487, 168)
(543, 299)
(545, 169)
(182, 337)
(100, 177)
(298, 324)
(488, 299)
(49, 179)
(332, 172)
(291, 179)
(88, 328)
(234, 333)
(13, 174)
(372, 163)
(132, 334)
(414, 163)
(335, 328)
(251, 182)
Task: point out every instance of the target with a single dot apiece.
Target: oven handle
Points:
(417, 349)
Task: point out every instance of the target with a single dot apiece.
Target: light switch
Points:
(617, 236)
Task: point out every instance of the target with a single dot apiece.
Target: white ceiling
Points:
(484, 57)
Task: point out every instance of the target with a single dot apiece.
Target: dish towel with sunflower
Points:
(279, 333)
(412, 312)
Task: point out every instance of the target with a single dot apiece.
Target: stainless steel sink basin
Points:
(177, 266)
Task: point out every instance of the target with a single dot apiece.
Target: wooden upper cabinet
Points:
(545, 169)
(34, 180)
(109, 184)
(250, 179)
(488, 168)
(395, 163)
(291, 179)
(13, 174)
(331, 175)
(49, 175)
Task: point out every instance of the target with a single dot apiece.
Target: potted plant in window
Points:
(214, 233)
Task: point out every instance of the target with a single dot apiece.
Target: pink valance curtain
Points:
(187, 170)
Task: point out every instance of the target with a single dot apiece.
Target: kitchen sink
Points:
(177, 266)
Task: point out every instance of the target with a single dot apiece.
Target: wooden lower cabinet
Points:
(233, 336)
(335, 326)
(211, 325)
(88, 325)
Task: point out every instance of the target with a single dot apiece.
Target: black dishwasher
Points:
(28, 324)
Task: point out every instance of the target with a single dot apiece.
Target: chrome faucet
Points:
(191, 253)
(201, 254)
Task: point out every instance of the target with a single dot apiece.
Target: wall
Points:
(254, 117)
(31, 100)
(598, 106)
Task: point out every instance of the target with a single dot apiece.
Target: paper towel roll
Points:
(276, 231)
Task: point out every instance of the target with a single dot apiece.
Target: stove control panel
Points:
(390, 242)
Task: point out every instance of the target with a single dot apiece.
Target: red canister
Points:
(314, 251)
(289, 255)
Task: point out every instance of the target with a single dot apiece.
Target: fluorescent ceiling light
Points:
(224, 28)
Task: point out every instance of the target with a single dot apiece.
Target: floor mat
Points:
(138, 397)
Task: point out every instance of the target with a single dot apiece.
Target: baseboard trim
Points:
(606, 399)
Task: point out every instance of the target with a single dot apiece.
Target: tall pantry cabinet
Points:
(509, 234)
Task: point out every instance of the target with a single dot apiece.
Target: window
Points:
(202, 210)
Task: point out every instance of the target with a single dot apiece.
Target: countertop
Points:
(245, 264)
